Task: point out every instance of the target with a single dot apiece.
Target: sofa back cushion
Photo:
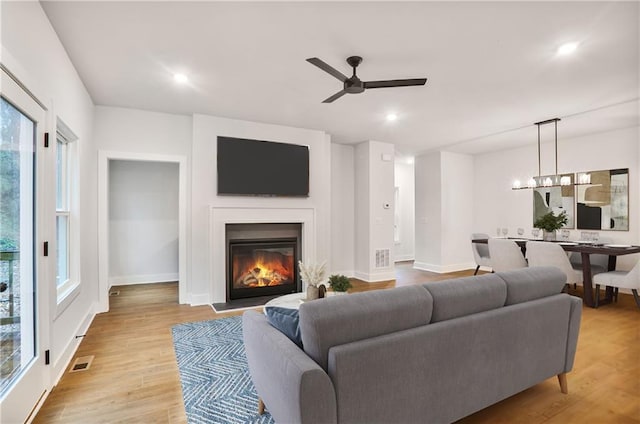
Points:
(337, 320)
(465, 296)
(535, 283)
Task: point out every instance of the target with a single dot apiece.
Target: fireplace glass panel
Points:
(262, 267)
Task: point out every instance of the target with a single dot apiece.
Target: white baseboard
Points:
(125, 280)
(375, 277)
(442, 269)
(62, 361)
(350, 273)
(402, 258)
(199, 299)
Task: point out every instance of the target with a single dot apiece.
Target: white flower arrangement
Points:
(312, 274)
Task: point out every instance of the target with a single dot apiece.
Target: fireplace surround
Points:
(222, 216)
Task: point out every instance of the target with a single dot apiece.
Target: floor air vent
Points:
(82, 363)
(382, 258)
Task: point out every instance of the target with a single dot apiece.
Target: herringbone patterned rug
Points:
(216, 385)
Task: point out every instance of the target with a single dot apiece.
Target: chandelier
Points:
(555, 180)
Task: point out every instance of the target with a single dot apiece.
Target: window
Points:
(64, 198)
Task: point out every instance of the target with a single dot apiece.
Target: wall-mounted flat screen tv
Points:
(262, 168)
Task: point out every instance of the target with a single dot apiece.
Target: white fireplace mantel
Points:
(220, 216)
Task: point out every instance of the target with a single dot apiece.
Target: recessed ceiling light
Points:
(392, 117)
(567, 48)
(180, 78)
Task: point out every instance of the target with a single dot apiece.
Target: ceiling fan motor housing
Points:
(353, 85)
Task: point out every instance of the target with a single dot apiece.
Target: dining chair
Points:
(541, 253)
(619, 280)
(480, 251)
(505, 255)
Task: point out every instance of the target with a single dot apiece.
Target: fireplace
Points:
(262, 260)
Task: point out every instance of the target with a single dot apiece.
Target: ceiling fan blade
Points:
(327, 68)
(335, 96)
(395, 83)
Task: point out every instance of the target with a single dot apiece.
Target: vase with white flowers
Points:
(312, 275)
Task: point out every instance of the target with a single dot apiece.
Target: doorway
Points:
(141, 220)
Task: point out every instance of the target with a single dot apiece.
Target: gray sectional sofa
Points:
(431, 353)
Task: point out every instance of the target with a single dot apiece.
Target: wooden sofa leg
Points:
(261, 405)
(562, 379)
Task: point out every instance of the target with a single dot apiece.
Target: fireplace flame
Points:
(262, 270)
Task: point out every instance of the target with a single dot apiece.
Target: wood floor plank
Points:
(134, 376)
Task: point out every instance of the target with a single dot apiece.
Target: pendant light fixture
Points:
(556, 180)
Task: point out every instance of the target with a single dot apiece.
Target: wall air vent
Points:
(382, 258)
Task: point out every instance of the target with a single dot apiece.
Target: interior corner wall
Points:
(32, 51)
(444, 211)
(497, 206)
(428, 200)
(143, 222)
(204, 195)
(374, 186)
(342, 210)
(404, 176)
(457, 211)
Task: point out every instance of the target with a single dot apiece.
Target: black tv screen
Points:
(262, 168)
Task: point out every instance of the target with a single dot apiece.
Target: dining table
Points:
(586, 249)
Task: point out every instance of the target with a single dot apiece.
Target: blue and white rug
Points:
(216, 385)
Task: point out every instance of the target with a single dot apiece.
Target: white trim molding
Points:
(126, 280)
(103, 219)
(442, 269)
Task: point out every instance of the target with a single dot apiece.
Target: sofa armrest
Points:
(575, 315)
(293, 387)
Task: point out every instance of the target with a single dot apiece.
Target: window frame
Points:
(66, 139)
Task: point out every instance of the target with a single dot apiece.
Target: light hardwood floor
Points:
(134, 377)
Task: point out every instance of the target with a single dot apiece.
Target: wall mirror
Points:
(604, 203)
(556, 200)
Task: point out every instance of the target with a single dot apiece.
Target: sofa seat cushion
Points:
(532, 284)
(343, 319)
(465, 296)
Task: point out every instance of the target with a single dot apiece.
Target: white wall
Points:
(496, 205)
(444, 211)
(204, 189)
(139, 131)
(374, 187)
(428, 189)
(362, 243)
(457, 210)
(31, 50)
(143, 222)
(342, 210)
(405, 182)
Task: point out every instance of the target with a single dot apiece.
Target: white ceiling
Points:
(491, 67)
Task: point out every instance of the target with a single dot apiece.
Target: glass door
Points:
(22, 304)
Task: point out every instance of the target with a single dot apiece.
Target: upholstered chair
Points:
(541, 253)
(505, 255)
(480, 251)
(619, 280)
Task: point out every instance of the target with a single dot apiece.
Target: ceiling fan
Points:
(354, 85)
